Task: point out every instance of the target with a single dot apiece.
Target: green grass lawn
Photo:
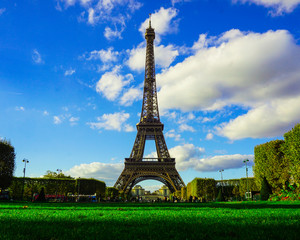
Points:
(245, 220)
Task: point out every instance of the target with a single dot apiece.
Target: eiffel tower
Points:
(137, 168)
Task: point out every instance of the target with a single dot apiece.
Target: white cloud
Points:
(279, 7)
(189, 156)
(111, 83)
(85, 2)
(173, 134)
(164, 56)
(132, 94)
(91, 16)
(73, 120)
(57, 120)
(69, 72)
(108, 172)
(179, 1)
(162, 22)
(268, 120)
(251, 70)
(110, 34)
(46, 113)
(112, 121)
(36, 57)
(209, 136)
(184, 127)
(184, 154)
(20, 109)
(113, 12)
(207, 119)
(2, 10)
(105, 56)
(128, 128)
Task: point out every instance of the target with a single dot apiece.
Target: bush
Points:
(111, 192)
(288, 193)
(270, 163)
(204, 188)
(265, 190)
(7, 163)
(291, 150)
(220, 197)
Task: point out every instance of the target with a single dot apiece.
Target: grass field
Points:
(246, 220)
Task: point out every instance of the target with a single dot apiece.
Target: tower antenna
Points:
(150, 20)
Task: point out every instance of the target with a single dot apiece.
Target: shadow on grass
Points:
(152, 206)
(143, 228)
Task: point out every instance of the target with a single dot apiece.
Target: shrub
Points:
(7, 163)
(265, 190)
(291, 149)
(270, 163)
(220, 197)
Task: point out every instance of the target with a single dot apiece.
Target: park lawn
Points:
(237, 220)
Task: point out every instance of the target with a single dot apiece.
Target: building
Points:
(138, 191)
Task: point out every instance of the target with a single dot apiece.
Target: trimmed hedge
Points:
(55, 186)
(269, 162)
(203, 188)
(89, 186)
(291, 151)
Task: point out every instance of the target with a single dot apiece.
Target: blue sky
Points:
(72, 71)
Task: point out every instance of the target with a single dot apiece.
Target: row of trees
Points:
(278, 161)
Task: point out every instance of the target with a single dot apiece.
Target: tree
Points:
(7, 163)
(270, 162)
(50, 174)
(265, 190)
(291, 151)
(220, 197)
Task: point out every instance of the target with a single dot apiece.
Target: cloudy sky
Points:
(72, 71)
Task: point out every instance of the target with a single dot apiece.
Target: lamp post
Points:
(24, 171)
(245, 161)
(222, 170)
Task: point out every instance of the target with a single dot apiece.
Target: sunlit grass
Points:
(150, 221)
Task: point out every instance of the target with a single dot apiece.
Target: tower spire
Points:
(150, 20)
(150, 105)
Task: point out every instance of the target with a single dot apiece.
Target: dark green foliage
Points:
(203, 188)
(111, 192)
(220, 197)
(270, 163)
(50, 174)
(7, 163)
(265, 191)
(90, 186)
(291, 150)
(184, 194)
(252, 185)
(34, 185)
(41, 197)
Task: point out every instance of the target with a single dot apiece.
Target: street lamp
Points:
(245, 161)
(24, 171)
(222, 170)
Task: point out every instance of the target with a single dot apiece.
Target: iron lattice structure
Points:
(161, 168)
